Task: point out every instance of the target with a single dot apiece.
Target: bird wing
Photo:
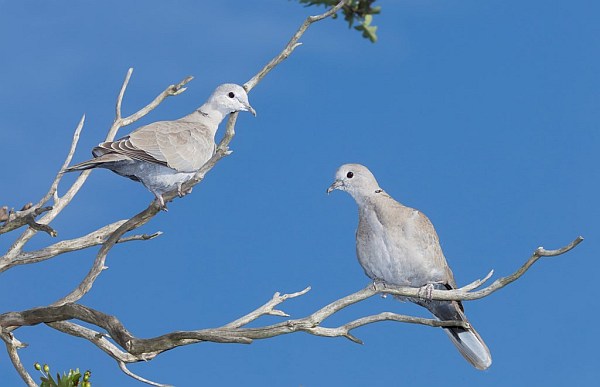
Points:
(182, 145)
(409, 232)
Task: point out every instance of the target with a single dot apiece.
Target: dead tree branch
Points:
(137, 349)
(15, 220)
(12, 345)
(94, 238)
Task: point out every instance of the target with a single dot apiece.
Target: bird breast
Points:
(394, 252)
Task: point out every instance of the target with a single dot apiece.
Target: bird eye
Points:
(349, 175)
(231, 95)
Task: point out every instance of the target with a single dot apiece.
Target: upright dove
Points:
(398, 245)
(165, 154)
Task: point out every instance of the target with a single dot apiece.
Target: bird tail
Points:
(468, 342)
(97, 162)
(82, 166)
(471, 346)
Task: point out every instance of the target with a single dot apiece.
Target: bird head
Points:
(230, 98)
(355, 179)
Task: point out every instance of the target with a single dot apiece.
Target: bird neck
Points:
(367, 196)
(213, 111)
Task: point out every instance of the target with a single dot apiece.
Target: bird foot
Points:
(425, 292)
(181, 193)
(379, 283)
(161, 203)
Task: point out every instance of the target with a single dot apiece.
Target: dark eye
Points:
(231, 95)
(349, 175)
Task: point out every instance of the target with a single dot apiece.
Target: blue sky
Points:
(482, 114)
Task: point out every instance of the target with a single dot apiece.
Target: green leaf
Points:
(355, 12)
(368, 31)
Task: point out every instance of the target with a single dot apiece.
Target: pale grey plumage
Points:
(398, 245)
(165, 154)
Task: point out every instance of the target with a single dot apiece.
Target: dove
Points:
(165, 154)
(398, 245)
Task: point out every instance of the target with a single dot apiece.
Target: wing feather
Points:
(182, 145)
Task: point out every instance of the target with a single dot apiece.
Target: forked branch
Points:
(134, 349)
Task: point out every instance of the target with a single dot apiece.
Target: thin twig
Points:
(291, 46)
(126, 370)
(15, 220)
(94, 238)
(66, 163)
(118, 115)
(268, 308)
(140, 237)
(59, 204)
(12, 345)
(170, 91)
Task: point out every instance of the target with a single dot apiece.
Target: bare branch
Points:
(140, 237)
(462, 294)
(344, 330)
(66, 163)
(17, 246)
(142, 349)
(118, 115)
(477, 283)
(291, 46)
(139, 378)
(171, 90)
(18, 219)
(99, 340)
(12, 345)
(92, 239)
(98, 265)
(266, 309)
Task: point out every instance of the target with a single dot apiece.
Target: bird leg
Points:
(161, 202)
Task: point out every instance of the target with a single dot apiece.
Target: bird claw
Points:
(181, 193)
(379, 283)
(425, 292)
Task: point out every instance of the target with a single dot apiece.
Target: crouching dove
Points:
(398, 245)
(165, 154)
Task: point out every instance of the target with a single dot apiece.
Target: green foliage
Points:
(72, 379)
(358, 12)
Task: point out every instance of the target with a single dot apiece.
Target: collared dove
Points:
(165, 154)
(398, 245)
